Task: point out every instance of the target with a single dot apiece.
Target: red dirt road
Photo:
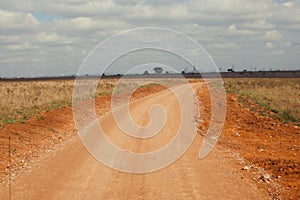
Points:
(72, 173)
(48, 161)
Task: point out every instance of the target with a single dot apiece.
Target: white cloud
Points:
(272, 35)
(17, 21)
(233, 30)
(288, 4)
(269, 45)
(236, 27)
(223, 46)
(24, 46)
(259, 25)
(9, 39)
(48, 37)
(88, 24)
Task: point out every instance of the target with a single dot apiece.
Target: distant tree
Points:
(146, 72)
(158, 70)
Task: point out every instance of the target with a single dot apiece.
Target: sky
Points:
(53, 37)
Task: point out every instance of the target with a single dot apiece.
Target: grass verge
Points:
(278, 96)
(19, 100)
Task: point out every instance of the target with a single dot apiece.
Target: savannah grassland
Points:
(19, 100)
(22, 99)
(279, 98)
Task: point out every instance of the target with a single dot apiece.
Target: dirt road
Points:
(72, 173)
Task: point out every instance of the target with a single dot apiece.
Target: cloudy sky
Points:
(52, 37)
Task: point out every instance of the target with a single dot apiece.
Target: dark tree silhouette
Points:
(158, 70)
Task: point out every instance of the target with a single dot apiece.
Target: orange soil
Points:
(262, 144)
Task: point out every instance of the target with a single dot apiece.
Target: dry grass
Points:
(19, 100)
(278, 95)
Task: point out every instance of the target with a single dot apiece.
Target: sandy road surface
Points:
(74, 174)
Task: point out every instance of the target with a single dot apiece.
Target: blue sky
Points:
(46, 17)
(45, 38)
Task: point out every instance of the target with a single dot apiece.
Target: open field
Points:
(280, 97)
(19, 100)
(266, 150)
(22, 99)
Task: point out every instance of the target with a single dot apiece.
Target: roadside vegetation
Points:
(19, 100)
(279, 97)
(22, 99)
